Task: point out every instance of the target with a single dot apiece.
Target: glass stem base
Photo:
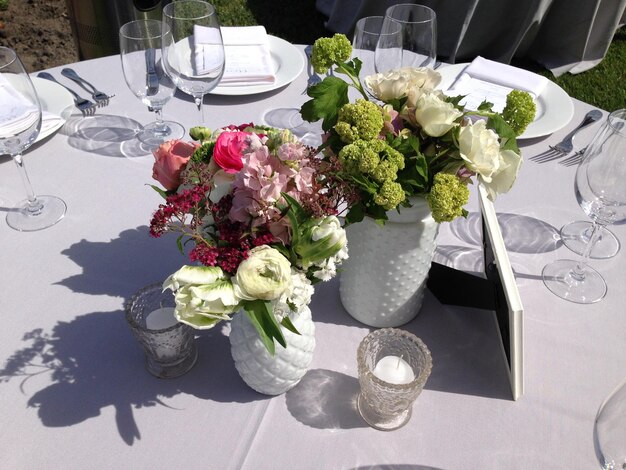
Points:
(155, 133)
(30, 216)
(563, 278)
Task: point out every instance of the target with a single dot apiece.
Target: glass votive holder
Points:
(169, 345)
(393, 367)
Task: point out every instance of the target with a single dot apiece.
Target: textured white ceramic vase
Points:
(382, 283)
(272, 375)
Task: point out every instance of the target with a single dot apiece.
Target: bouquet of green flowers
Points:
(412, 140)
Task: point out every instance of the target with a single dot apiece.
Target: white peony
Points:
(397, 83)
(435, 115)
(266, 275)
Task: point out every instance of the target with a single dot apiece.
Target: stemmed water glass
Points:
(414, 44)
(575, 235)
(140, 51)
(20, 123)
(193, 49)
(601, 192)
(609, 431)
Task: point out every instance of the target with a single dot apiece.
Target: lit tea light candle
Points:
(394, 370)
(161, 318)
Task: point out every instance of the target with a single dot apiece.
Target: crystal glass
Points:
(193, 49)
(609, 431)
(387, 404)
(366, 35)
(20, 123)
(414, 45)
(169, 346)
(601, 193)
(576, 236)
(140, 51)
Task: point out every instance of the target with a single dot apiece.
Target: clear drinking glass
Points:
(601, 192)
(193, 49)
(20, 123)
(415, 45)
(140, 51)
(393, 367)
(609, 431)
(169, 346)
(576, 236)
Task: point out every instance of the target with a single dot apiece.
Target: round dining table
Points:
(74, 392)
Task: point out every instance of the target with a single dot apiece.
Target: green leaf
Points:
(485, 106)
(355, 214)
(162, 192)
(328, 97)
(290, 326)
(507, 135)
(352, 67)
(179, 244)
(260, 314)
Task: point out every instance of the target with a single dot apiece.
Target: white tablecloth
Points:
(74, 393)
(563, 35)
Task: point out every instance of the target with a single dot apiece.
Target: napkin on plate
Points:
(488, 80)
(18, 114)
(248, 57)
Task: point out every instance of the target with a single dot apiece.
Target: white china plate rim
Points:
(56, 100)
(555, 107)
(289, 64)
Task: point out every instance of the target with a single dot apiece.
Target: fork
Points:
(102, 99)
(85, 106)
(314, 78)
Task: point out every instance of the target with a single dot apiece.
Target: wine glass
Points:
(140, 51)
(193, 49)
(575, 235)
(415, 45)
(20, 123)
(601, 192)
(609, 431)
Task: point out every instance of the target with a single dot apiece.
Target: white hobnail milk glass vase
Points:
(382, 283)
(272, 375)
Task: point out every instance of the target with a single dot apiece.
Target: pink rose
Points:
(228, 150)
(169, 160)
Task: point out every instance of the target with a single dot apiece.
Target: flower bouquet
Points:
(412, 140)
(408, 152)
(258, 213)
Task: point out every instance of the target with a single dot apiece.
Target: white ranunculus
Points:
(204, 295)
(197, 275)
(435, 115)
(397, 83)
(503, 180)
(265, 274)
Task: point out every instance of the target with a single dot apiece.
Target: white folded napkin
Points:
(248, 57)
(16, 112)
(207, 50)
(486, 79)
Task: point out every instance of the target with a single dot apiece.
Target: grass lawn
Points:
(299, 22)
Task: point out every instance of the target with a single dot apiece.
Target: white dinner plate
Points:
(554, 107)
(288, 63)
(56, 100)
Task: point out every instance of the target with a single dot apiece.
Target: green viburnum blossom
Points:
(389, 195)
(359, 120)
(200, 133)
(447, 197)
(519, 111)
(385, 170)
(361, 156)
(329, 51)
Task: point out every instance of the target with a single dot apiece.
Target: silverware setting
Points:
(314, 78)
(565, 147)
(101, 98)
(85, 106)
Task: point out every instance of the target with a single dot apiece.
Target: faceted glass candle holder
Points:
(382, 404)
(169, 346)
